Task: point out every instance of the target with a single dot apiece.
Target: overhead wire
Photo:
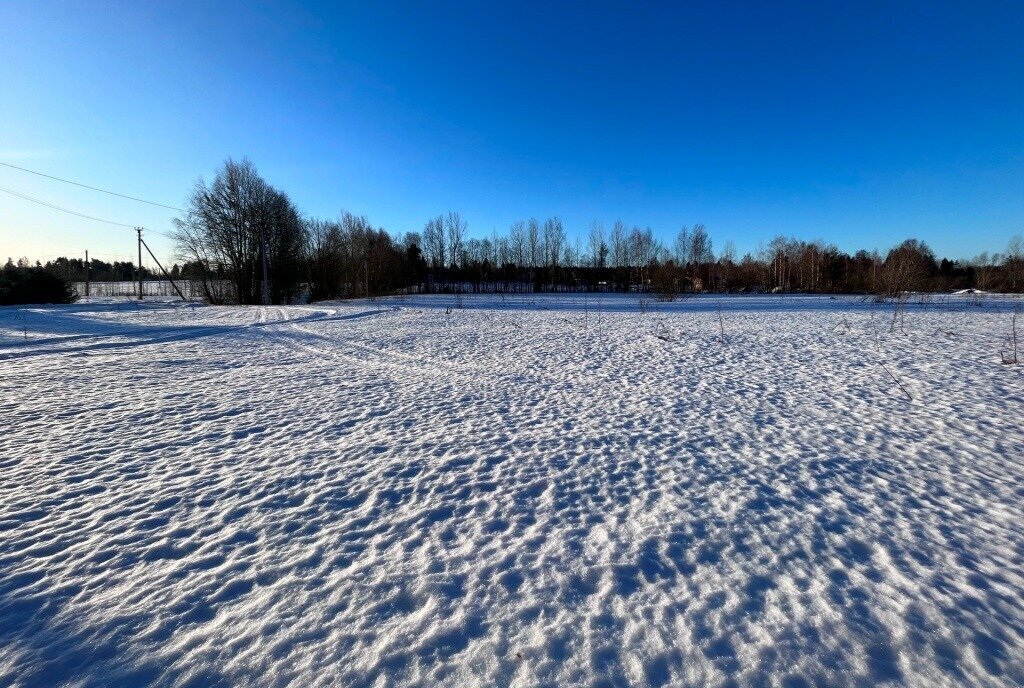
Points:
(63, 210)
(93, 188)
(54, 206)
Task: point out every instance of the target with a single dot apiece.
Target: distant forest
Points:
(238, 228)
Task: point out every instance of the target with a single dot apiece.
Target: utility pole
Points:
(163, 270)
(266, 285)
(138, 230)
(87, 273)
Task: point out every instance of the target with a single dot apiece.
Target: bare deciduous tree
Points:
(596, 246)
(237, 221)
(455, 231)
(908, 267)
(554, 241)
(1014, 262)
(434, 242)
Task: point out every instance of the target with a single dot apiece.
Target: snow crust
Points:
(529, 491)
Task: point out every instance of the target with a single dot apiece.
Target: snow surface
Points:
(525, 491)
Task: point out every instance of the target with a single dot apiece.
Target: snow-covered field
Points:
(535, 491)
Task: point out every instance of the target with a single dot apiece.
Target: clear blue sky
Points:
(857, 123)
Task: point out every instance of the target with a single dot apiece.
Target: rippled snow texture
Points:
(528, 491)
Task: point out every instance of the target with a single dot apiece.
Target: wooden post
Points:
(138, 230)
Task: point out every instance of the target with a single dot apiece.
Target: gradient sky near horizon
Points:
(858, 123)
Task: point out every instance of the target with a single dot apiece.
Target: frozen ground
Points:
(531, 491)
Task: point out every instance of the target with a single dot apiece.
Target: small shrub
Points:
(20, 286)
(1009, 355)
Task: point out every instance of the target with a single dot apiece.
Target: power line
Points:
(93, 188)
(63, 210)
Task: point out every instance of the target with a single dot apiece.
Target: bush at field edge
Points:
(33, 285)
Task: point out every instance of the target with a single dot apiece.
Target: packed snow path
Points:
(526, 491)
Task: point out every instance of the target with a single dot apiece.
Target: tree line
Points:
(538, 257)
(74, 269)
(242, 240)
(239, 223)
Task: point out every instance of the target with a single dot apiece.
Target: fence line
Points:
(131, 288)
